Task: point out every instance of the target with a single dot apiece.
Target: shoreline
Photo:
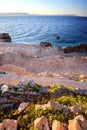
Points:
(44, 65)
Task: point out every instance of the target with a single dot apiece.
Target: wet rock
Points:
(58, 125)
(45, 44)
(4, 37)
(79, 48)
(23, 106)
(8, 124)
(57, 37)
(41, 123)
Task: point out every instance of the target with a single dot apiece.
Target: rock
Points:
(32, 83)
(51, 105)
(4, 88)
(23, 106)
(78, 123)
(45, 44)
(8, 124)
(74, 125)
(56, 125)
(4, 37)
(57, 37)
(76, 109)
(82, 121)
(79, 48)
(41, 123)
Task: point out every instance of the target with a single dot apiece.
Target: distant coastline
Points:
(27, 14)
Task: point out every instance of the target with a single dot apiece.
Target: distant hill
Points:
(14, 14)
(26, 14)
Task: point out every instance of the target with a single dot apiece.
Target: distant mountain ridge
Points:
(14, 14)
(27, 14)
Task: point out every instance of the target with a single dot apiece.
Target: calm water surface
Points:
(34, 29)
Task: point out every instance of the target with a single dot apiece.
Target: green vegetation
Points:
(26, 118)
(54, 87)
(59, 87)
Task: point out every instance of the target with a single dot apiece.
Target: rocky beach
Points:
(47, 81)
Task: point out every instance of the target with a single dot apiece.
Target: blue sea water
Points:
(34, 29)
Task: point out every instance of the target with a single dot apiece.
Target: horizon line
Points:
(25, 13)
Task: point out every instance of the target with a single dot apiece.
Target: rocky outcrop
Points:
(4, 37)
(78, 123)
(51, 105)
(8, 124)
(45, 44)
(79, 48)
(57, 125)
(41, 123)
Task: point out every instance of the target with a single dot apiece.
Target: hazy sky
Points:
(78, 7)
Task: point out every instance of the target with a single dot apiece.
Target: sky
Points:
(42, 7)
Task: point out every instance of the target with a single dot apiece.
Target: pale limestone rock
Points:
(74, 125)
(76, 109)
(56, 125)
(82, 121)
(41, 123)
(78, 123)
(4, 88)
(8, 124)
(53, 106)
(22, 106)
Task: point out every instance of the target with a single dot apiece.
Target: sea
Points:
(72, 30)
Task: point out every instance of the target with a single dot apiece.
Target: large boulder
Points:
(41, 123)
(8, 124)
(78, 48)
(78, 123)
(57, 125)
(45, 44)
(74, 125)
(4, 37)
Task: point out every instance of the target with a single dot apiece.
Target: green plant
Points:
(53, 88)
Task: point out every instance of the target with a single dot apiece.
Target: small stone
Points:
(23, 106)
(4, 88)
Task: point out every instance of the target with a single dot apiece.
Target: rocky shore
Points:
(45, 65)
(43, 87)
